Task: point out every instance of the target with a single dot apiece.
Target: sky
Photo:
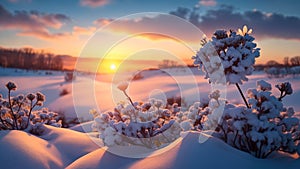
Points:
(91, 28)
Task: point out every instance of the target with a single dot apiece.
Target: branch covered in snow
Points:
(17, 113)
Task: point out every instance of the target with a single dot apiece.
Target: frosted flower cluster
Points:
(204, 115)
(265, 127)
(17, 113)
(208, 59)
(147, 124)
(231, 54)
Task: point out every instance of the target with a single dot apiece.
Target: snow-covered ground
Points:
(61, 148)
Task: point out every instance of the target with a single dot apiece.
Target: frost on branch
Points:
(234, 52)
(17, 113)
(146, 124)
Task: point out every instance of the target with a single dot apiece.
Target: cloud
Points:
(16, 1)
(77, 30)
(156, 27)
(181, 12)
(154, 36)
(265, 25)
(94, 3)
(33, 23)
(44, 34)
(102, 21)
(207, 2)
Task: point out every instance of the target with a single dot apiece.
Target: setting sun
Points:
(113, 67)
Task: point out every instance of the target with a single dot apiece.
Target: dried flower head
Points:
(11, 86)
(123, 86)
(30, 96)
(215, 95)
(40, 97)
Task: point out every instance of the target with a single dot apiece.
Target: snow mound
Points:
(28, 151)
(213, 153)
(57, 148)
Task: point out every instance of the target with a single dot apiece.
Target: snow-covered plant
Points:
(205, 115)
(17, 113)
(261, 127)
(234, 52)
(147, 124)
(265, 127)
(237, 52)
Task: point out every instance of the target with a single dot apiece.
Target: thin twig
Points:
(129, 98)
(30, 111)
(240, 90)
(12, 112)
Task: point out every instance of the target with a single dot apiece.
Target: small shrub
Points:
(265, 127)
(70, 76)
(17, 113)
(147, 124)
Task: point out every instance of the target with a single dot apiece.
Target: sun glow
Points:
(113, 67)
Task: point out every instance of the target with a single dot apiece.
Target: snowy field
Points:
(65, 148)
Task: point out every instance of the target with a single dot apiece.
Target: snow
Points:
(65, 148)
(188, 153)
(55, 149)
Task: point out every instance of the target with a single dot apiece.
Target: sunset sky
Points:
(63, 27)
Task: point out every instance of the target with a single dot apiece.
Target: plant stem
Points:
(30, 111)
(128, 98)
(246, 103)
(135, 116)
(15, 125)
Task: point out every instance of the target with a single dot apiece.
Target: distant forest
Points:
(30, 59)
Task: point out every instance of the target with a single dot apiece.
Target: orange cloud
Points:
(44, 34)
(154, 36)
(77, 30)
(156, 27)
(102, 21)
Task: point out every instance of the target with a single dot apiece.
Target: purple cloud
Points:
(265, 25)
(94, 3)
(207, 2)
(32, 23)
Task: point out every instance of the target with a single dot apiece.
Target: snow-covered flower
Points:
(123, 86)
(228, 54)
(263, 85)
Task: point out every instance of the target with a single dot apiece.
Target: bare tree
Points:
(295, 61)
(286, 61)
